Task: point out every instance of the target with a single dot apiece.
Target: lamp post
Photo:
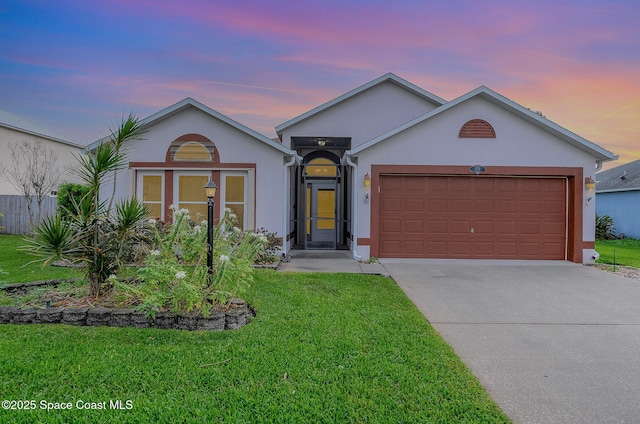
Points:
(210, 189)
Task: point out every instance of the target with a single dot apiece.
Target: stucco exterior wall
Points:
(623, 207)
(64, 153)
(362, 117)
(233, 146)
(517, 144)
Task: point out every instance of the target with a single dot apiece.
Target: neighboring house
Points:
(14, 129)
(618, 195)
(386, 170)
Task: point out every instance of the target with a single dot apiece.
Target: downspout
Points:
(295, 158)
(354, 208)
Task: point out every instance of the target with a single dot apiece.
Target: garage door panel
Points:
(507, 228)
(414, 226)
(460, 227)
(484, 206)
(506, 206)
(461, 248)
(414, 247)
(557, 207)
(483, 227)
(414, 205)
(460, 205)
(432, 216)
(391, 205)
(391, 226)
(437, 226)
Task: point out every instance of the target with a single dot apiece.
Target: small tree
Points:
(90, 233)
(33, 172)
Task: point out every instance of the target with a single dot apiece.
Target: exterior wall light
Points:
(367, 180)
(589, 183)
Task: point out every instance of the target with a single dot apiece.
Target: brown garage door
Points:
(472, 217)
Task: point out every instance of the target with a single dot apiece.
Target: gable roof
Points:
(385, 78)
(487, 94)
(621, 178)
(190, 102)
(17, 123)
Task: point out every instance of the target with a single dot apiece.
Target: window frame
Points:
(140, 189)
(176, 187)
(248, 221)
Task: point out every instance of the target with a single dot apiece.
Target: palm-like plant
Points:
(91, 233)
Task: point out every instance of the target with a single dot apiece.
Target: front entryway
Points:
(321, 196)
(320, 215)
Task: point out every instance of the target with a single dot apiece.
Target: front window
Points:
(190, 194)
(235, 197)
(150, 191)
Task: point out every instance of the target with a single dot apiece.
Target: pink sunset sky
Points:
(76, 67)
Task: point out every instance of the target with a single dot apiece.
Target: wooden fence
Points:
(16, 216)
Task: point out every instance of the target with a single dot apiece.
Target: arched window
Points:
(321, 167)
(192, 148)
(192, 151)
(477, 128)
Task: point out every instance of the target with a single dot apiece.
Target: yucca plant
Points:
(604, 228)
(91, 233)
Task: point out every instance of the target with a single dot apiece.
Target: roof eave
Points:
(40, 135)
(486, 93)
(190, 102)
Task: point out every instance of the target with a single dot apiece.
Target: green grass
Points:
(627, 252)
(15, 264)
(322, 349)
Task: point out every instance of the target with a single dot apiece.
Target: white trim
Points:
(485, 93)
(618, 190)
(189, 102)
(139, 188)
(248, 203)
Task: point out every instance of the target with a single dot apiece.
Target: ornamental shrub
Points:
(604, 228)
(174, 276)
(67, 193)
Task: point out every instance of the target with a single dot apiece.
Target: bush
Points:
(604, 228)
(67, 193)
(175, 273)
(271, 245)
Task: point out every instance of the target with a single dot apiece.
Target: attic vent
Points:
(477, 128)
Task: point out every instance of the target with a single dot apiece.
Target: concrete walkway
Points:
(328, 261)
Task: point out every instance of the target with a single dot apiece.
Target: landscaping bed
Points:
(230, 317)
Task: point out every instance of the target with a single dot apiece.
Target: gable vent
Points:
(477, 128)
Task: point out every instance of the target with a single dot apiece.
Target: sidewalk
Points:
(328, 261)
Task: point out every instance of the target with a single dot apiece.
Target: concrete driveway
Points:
(552, 342)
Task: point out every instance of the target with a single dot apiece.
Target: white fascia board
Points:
(40, 135)
(177, 107)
(509, 105)
(618, 190)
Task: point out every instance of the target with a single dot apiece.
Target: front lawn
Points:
(16, 264)
(627, 252)
(322, 348)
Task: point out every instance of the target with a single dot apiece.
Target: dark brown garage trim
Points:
(574, 176)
